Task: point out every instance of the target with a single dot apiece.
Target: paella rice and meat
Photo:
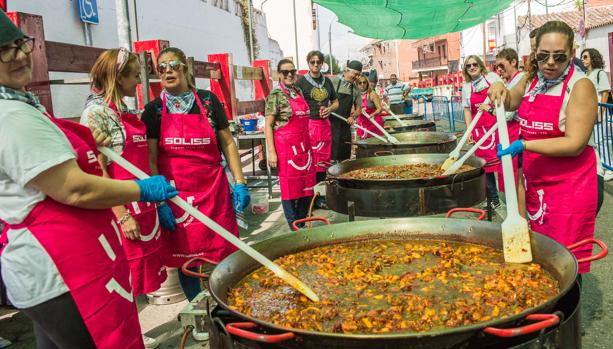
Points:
(405, 171)
(394, 286)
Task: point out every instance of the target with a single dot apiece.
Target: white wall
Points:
(195, 26)
(598, 38)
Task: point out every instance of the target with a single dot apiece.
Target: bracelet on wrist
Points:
(124, 218)
(241, 181)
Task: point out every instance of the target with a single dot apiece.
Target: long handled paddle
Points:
(281, 273)
(362, 128)
(389, 137)
(389, 110)
(456, 165)
(515, 233)
(455, 154)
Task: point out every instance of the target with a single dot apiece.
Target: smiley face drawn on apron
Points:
(492, 142)
(156, 232)
(297, 167)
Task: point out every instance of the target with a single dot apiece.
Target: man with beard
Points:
(350, 107)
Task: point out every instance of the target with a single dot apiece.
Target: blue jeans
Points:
(296, 209)
(190, 285)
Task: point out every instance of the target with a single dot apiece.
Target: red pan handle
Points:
(187, 264)
(239, 329)
(544, 321)
(467, 209)
(604, 249)
(383, 152)
(308, 219)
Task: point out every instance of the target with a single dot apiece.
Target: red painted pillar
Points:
(263, 87)
(224, 87)
(32, 25)
(153, 47)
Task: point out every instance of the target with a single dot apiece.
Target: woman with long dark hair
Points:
(594, 65)
(557, 108)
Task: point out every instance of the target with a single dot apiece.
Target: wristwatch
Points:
(491, 110)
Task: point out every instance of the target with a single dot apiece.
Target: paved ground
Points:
(161, 321)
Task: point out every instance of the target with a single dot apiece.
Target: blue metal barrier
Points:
(457, 112)
(603, 134)
(440, 107)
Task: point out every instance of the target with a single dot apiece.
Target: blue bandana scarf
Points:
(543, 84)
(8, 93)
(180, 104)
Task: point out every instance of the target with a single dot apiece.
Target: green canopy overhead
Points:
(411, 19)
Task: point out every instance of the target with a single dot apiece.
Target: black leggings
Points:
(491, 187)
(59, 325)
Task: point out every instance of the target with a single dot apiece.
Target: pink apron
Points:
(296, 173)
(320, 133)
(488, 149)
(85, 246)
(366, 123)
(190, 158)
(561, 192)
(144, 255)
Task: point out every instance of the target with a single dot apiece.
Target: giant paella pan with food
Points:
(393, 126)
(419, 283)
(408, 143)
(403, 186)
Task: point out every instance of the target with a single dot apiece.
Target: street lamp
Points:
(330, 44)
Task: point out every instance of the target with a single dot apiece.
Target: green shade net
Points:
(411, 19)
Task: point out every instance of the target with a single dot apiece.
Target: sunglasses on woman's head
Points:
(288, 72)
(543, 57)
(472, 65)
(173, 65)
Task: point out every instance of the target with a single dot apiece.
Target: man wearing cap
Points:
(350, 107)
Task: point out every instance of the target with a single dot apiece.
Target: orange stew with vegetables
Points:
(407, 171)
(394, 286)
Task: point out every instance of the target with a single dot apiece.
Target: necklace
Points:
(318, 93)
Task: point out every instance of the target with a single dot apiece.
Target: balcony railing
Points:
(430, 63)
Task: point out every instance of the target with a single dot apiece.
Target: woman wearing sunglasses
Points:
(557, 109)
(594, 65)
(62, 260)
(288, 142)
(115, 75)
(371, 104)
(188, 131)
(474, 94)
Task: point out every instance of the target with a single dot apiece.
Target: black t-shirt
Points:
(152, 115)
(307, 92)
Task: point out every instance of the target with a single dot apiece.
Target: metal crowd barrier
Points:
(457, 112)
(440, 108)
(603, 134)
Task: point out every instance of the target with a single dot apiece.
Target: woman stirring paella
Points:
(557, 108)
(371, 104)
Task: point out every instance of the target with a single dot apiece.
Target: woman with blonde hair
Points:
(474, 93)
(371, 104)
(115, 75)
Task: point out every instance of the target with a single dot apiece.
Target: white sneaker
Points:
(200, 336)
(150, 343)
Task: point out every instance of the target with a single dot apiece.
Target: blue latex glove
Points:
(167, 219)
(240, 197)
(514, 149)
(155, 189)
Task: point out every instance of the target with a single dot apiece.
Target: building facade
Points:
(199, 27)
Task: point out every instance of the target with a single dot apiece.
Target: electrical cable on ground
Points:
(186, 333)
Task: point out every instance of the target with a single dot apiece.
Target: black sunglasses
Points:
(363, 83)
(8, 54)
(543, 57)
(287, 72)
(315, 62)
(472, 65)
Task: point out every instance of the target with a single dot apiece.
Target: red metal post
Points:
(153, 47)
(263, 87)
(32, 25)
(224, 87)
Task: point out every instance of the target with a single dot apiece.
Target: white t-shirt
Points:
(600, 78)
(30, 144)
(557, 91)
(466, 87)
